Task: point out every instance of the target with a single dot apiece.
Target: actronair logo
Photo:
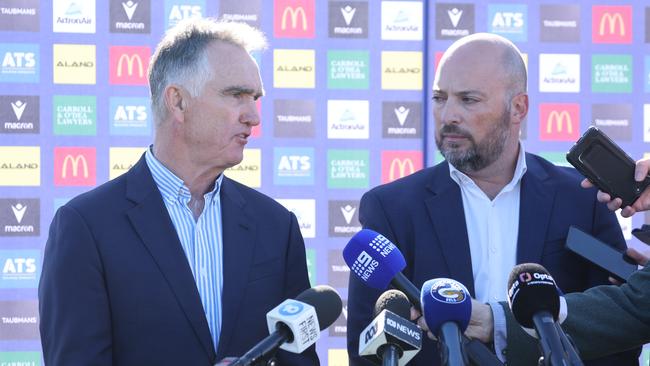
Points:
(19, 63)
(559, 73)
(73, 16)
(20, 166)
(19, 114)
(348, 119)
(130, 16)
(20, 216)
(293, 19)
(559, 122)
(128, 65)
(348, 19)
(611, 24)
(305, 211)
(401, 20)
(19, 15)
(454, 20)
(177, 10)
(343, 218)
(75, 166)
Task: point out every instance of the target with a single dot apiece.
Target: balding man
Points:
(489, 205)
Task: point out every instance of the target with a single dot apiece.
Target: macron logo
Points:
(19, 211)
(348, 14)
(129, 8)
(454, 15)
(401, 113)
(19, 108)
(348, 211)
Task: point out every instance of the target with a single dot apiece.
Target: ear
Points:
(519, 108)
(175, 101)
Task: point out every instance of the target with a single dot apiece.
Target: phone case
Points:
(606, 165)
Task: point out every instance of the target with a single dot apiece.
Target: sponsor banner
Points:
(615, 120)
(75, 166)
(348, 70)
(241, 11)
(559, 122)
(509, 20)
(293, 166)
(20, 15)
(337, 356)
(74, 115)
(72, 16)
(611, 73)
(398, 164)
(401, 70)
(305, 211)
(310, 254)
(401, 20)
(340, 326)
(293, 18)
(20, 63)
(121, 159)
(401, 119)
(74, 64)
(19, 114)
(338, 272)
(20, 216)
(559, 23)
(249, 171)
(130, 16)
(19, 320)
(128, 65)
(559, 73)
(20, 268)
(611, 24)
(294, 118)
(348, 19)
(343, 218)
(557, 158)
(294, 68)
(454, 20)
(348, 169)
(130, 116)
(20, 358)
(20, 166)
(348, 119)
(177, 10)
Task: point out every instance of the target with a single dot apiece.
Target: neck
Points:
(497, 175)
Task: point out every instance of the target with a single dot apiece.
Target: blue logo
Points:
(177, 10)
(130, 116)
(448, 291)
(291, 308)
(509, 20)
(19, 63)
(293, 166)
(20, 268)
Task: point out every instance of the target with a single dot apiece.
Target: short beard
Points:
(477, 156)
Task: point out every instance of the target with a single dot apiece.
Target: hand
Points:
(640, 258)
(641, 204)
(419, 319)
(481, 324)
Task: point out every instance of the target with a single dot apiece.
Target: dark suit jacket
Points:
(604, 319)
(423, 215)
(116, 287)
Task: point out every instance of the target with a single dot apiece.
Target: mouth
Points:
(242, 137)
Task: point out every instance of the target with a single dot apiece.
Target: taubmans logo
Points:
(291, 308)
(447, 291)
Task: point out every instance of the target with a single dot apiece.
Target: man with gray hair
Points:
(173, 263)
(488, 206)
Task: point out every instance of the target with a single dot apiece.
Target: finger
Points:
(614, 281)
(614, 204)
(641, 170)
(586, 183)
(628, 211)
(603, 197)
(637, 256)
(415, 314)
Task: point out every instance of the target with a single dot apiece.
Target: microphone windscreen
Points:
(531, 289)
(395, 301)
(445, 300)
(326, 301)
(373, 258)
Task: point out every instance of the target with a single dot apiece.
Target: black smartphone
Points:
(599, 253)
(606, 165)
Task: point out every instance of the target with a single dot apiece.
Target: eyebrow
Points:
(233, 90)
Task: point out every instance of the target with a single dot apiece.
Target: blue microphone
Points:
(447, 308)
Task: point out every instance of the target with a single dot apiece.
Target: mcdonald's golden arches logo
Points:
(611, 24)
(559, 122)
(75, 166)
(128, 65)
(398, 164)
(294, 19)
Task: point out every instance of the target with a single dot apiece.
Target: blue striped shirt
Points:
(201, 239)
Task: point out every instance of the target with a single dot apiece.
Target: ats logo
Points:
(19, 320)
(559, 122)
(305, 211)
(509, 20)
(611, 24)
(129, 116)
(401, 70)
(177, 10)
(294, 68)
(21, 16)
(73, 16)
(293, 19)
(20, 166)
(20, 217)
(128, 65)
(121, 159)
(20, 63)
(19, 114)
(249, 171)
(74, 64)
(75, 166)
(20, 268)
(398, 164)
(293, 166)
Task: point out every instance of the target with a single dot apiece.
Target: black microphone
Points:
(296, 324)
(391, 339)
(535, 302)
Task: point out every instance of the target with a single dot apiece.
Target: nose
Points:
(250, 114)
(446, 112)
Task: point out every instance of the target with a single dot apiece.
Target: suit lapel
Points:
(445, 208)
(238, 248)
(536, 201)
(151, 221)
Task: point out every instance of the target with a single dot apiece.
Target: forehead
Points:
(233, 65)
(473, 67)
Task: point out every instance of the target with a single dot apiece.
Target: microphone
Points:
(535, 302)
(295, 325)
(378, 262)
(447, 308)
(391, 339)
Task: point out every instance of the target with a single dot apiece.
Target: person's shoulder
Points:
(412, 183)
(560, 174)
(253, 197)
(103, 196)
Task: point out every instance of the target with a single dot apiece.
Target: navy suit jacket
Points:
(423, 215)
(116, 287)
